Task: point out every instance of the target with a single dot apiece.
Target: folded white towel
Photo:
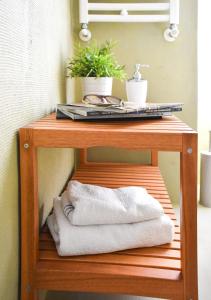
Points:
(86, 204)
(80, 240)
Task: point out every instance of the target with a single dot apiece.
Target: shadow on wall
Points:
(9, 218)
(54, 168)
(91, 296)
(101, 154)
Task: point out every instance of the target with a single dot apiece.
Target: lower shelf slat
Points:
(160, 263)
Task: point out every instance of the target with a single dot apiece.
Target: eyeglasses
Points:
(102, 100)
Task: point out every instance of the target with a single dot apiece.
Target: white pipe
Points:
(174, 12)
(205, 186)
(83, 11)
(132, 18)
(128, 6)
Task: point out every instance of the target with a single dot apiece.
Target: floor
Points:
(204, 259)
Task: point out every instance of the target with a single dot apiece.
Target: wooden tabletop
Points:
(163, 134)
(164, 124)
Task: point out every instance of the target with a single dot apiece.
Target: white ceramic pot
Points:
(97, 86)
(137, 92)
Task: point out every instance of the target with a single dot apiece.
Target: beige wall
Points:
(35, 39)
(204, 66)
(171, 77)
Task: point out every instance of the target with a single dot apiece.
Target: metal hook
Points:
(171, 33)
(85, 34)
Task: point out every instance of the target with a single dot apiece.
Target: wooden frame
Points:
(80, 274)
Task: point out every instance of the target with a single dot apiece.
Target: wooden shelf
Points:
(168, 271)
(159, 264)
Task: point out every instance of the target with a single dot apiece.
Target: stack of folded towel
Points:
(89, 219)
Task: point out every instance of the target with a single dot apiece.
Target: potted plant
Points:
(97, 66)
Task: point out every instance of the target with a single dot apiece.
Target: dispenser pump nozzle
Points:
(137, 75)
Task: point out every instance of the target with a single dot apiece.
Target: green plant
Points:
(95, 61)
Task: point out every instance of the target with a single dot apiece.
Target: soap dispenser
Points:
(136, 87)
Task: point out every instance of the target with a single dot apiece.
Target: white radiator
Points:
(120, 12)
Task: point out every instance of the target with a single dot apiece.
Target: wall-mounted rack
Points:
(150, 12)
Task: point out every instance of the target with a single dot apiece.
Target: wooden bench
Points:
(168, 271)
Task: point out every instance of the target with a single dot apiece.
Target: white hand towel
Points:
(80, 240)
(86, 204)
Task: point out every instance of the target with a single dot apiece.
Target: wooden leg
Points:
(154, 158)
(29, 215)
(28, 294)
(189, 216)
(178, 298)
(83, 157)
